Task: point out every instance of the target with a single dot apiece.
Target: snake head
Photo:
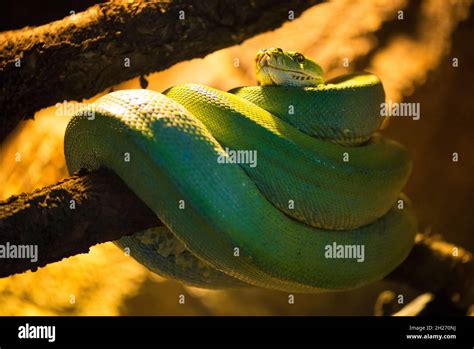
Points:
(274, 66)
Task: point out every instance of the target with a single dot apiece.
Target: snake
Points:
(276, 185)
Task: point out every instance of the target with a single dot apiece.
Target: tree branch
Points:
(438, 267)
(105, 209)
(66, 218)
(82, 55)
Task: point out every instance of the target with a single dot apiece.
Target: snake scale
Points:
(324, 177)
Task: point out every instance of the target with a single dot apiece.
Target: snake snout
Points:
(262, 58)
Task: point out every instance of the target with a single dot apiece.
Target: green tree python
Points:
(324, 177)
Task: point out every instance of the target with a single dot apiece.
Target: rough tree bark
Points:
(69, 217)
(82, 55)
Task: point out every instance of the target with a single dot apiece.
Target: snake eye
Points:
(299, 58)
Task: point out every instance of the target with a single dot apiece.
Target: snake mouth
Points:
(297, 75)
(262, 62)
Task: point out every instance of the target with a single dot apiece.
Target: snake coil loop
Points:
(323, 179)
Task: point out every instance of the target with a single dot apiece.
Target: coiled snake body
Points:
(322, 178)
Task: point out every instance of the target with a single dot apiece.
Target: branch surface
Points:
(82, 55)
(438, 267)
(67, 218)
